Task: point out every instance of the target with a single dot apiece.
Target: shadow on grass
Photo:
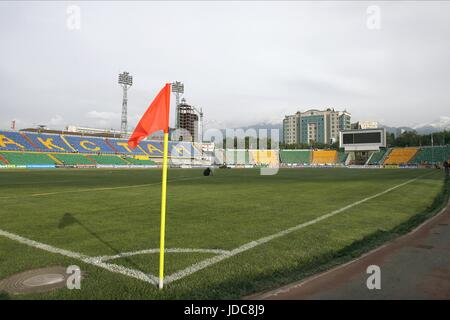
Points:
(68, 219)
(4, 296)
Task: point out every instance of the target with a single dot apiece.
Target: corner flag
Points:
(154, 119)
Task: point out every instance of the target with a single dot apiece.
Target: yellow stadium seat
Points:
(324, 157)
(400, 155)
(264, 157)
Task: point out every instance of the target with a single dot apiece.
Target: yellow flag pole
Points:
(163, 210)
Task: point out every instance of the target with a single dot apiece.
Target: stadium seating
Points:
(136, 161)
(428, 155)
(89, 144)
(72, 159)
(152, 148)
(48, 142)
(121, 146)
(376, 157)
(27, 158)
(295, 156)
(237, 156)
(264, 157)
(107, 159)
(14, 141)
(342, 156)
(181, 149)
(324, 157)
(400, 155)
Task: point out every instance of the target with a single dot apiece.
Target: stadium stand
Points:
(342, 156)
(295, 156)
(237, 156)
(27, 158)
(72, 159)
(152, 148)
(324, 157)
(107, 159)
(400, 155)
(136, 161)
(264, 157)
(3, 160)
(182, 149)
(89, 144)
(14, 141)
(48, 142)
(121, 146)
(428, 155)
(376, 157)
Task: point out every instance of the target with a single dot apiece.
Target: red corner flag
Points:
(154, 119)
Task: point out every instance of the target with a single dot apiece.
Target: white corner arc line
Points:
(156, 250)
(81, 257)
(211, 261)
(223, 254)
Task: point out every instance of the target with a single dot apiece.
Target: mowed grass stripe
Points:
(206, 263)
(224, 211)
(98, 261)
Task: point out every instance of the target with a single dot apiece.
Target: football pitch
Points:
(227, 236)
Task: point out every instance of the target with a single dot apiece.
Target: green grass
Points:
(69, 209)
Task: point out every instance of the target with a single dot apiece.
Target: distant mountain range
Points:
(441, 124)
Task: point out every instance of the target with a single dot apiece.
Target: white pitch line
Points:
(156, 250)
(211, 261)
(97, 261)
(99, 189)
(81, 257)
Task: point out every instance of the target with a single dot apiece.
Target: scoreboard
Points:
(362, 139)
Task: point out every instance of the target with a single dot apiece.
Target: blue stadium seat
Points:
(153, 148)
(49, 142)
(89, 144)
(181, 149)
(121, 145)
(14, 141)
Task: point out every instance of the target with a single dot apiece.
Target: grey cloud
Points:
(242, 62)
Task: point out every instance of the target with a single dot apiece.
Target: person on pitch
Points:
(207, 172)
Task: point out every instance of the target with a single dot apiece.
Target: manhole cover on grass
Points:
(37, 280)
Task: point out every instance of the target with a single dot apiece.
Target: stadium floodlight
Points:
(178, 89)
(126, 81)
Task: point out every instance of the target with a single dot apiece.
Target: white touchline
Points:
(99, 189)
(208, 262)
(222, 254)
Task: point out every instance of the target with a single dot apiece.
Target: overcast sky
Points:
(242, 62)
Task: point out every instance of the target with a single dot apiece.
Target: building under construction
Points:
(187, 119)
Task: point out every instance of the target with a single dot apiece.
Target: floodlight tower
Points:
(126, 81)
(178, 89)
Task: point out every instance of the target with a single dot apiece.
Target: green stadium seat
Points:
(27, 158)
(428, 155)
(108, 159)
(72, 159)
(377, 156)
(295, 156)
(140, 161)
(342, 156)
